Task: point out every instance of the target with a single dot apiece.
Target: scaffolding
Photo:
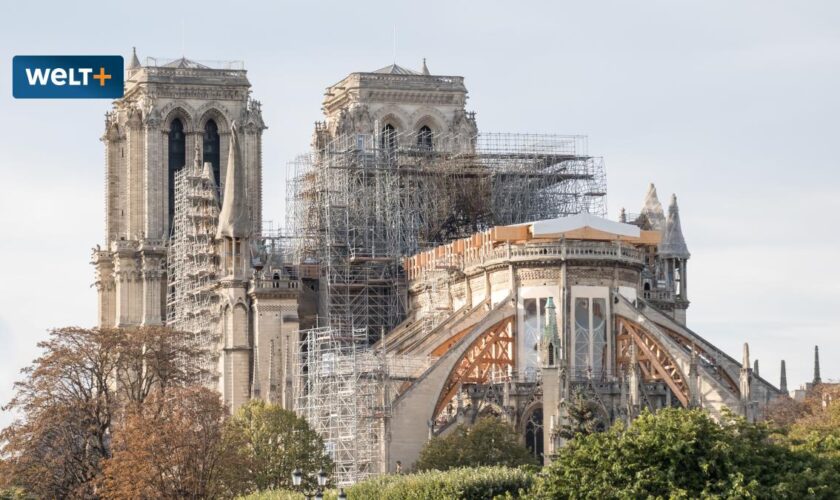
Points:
(361, 203)
(191, 303)
(344, 390)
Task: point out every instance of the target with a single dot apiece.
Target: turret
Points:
(674, 255)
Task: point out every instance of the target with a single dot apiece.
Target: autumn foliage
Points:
(121, 413)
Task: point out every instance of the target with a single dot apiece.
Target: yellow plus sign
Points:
(102, 76)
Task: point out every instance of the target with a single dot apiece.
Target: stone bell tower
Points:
(171, 111)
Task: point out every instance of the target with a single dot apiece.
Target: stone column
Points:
(152, 258)
(136, 155)
(155, 169)
(106, 288)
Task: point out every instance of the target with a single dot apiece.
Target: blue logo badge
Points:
(67, 77)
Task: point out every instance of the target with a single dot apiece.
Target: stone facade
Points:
(399, 98)
(170, 115)
(130, 266)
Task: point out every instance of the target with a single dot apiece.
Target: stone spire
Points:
(693, 380)
(817, 379)
(425, 69)
(783, 379)
(673, 243)
(635, 398)
(134, 63)
(652, 209)
(755, 368)
(745, 374)
(549, 343)
(234, 221)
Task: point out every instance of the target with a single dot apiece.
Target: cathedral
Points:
(429, 273)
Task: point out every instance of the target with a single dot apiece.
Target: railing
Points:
(161, 62)
(451, 80)
(279, 284)
(569, 250)
(658, 295)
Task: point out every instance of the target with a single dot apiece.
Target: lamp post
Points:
(318, 494)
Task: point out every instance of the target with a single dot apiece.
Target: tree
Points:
(818, 432)
(583, 418)
(71, 395)
(784, 411)
(271, 444)
(679, 453)
(173, 446)
(491, 441)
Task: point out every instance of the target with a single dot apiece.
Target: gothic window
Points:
(424, 137)
(599, 337)
(534, 323)
(177, 160)
(534, 434)
(389, 137)
(590, 338)
(581, 359)
(211, 148)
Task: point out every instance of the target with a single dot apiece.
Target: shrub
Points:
(685, 454)
(468, 484)
(465, 483)
(491, 441)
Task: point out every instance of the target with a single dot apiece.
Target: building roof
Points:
(563, 225)
(395, 69)
(673, 242)
(183, 62)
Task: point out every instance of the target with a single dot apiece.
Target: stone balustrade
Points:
(487, 255)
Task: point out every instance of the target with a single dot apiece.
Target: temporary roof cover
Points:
(553, 227)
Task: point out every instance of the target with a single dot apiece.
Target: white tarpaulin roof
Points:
(565, 224)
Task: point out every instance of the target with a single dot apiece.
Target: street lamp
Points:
(321, 477)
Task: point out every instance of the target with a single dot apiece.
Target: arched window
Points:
(534, 434)
(177, 160)
(424, 137)
(389, 137)
(211, 148)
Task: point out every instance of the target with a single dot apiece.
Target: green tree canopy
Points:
(678, 453)
(491, 441)
(583, 418)
(272, 443)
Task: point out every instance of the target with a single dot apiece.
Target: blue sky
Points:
(732, 105)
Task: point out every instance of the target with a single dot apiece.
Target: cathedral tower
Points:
(403, 106)
(171, 111)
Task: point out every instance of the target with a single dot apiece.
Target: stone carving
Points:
(355, 120)
(463, 124)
